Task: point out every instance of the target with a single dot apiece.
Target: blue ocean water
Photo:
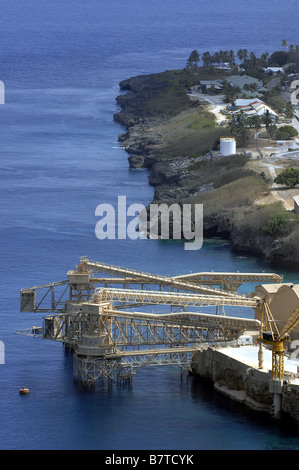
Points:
(61, 63)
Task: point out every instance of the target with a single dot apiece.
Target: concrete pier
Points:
(235, 373)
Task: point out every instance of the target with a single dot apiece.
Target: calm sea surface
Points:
(61, 63)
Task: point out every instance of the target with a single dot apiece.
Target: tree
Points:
(284, 44)
(250, 87)
(231, 57)
(288, 177)
(265, 58)
(254, 121)
(245, 54)
(289, 110)
(286, 132)
(206, 58)
(230, 92)
(242, 54)
(238, 126)
(279, 58)
(193, 60)
(252, 58)
(267, 120)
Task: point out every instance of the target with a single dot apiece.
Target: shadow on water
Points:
(284, 432)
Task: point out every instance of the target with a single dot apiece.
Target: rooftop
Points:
(241, 80)
(244, 102)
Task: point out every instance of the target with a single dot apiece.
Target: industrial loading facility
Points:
(250, 358)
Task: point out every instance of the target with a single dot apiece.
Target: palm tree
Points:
(232, 123)
(240, 55)
(289, 110)
(238, 126)
(252, 59)
(206, 58)
(265, 58)
(241, 129)
(267, 120)
(284, 44)
(244, 133)
(255, 122)
(193, 60)
(231, 57)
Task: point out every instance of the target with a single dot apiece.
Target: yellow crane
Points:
(270, 335)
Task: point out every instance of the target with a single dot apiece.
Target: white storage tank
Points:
(227, 146)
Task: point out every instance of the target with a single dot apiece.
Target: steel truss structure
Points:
(126, 365)
(129, 296)
(116, 344)
(54, 296)
(138, 329)
(113, 343)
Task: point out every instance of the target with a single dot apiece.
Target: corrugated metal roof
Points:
(241, 80)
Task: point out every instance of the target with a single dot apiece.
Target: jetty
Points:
(117, 320)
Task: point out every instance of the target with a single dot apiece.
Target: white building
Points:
(253, 106)
(296, 204)
(274, 70)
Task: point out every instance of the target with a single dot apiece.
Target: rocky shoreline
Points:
(173, 182)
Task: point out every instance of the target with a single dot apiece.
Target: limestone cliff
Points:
(227, 191)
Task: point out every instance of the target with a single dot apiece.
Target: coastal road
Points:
(216, 102)
(273, 83)
(295, 120)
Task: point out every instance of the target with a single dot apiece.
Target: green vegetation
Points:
(193, 60)
(160, 94)
(192, 143)
(289, 177)
(268, 220)
(190, 133)
(249, 60)
(234, 185)
(239, 127)
(286, 132)
(231, 197)
(184, 129)
(224, 170)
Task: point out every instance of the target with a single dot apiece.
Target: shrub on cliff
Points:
(231, 196)
(289, 177)
(276, 224)
(268, 219)
(291, 245)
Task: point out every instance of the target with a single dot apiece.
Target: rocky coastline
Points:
(172, 180)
